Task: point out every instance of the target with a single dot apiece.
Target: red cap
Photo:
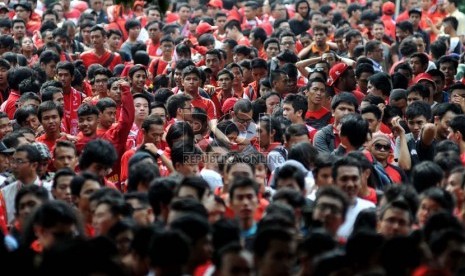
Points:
(389, 8)
(204, 27)
(424, 76)
(336, 71)
(80, 6)
(229, 104)
(215, 4)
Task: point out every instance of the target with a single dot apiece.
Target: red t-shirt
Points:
(90, 57)
(206, 105)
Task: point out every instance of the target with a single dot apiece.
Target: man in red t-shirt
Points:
(100, 55)
(50, 115)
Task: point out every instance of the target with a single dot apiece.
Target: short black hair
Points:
(98, 151)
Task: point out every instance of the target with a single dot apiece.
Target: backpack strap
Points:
(109, 60)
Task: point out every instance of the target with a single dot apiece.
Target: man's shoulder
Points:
(364, 204)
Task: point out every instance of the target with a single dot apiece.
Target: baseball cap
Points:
(336, 71)
(215, 4)
(229, 104)
(3, 6)
(389, 8)
(204, 27)
(24, 5)
(5, 150)
(43, 150)
(424, 76)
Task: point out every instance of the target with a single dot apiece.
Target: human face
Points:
(316, 92)
(142, 108)
(114, 41)
(134, 32)
(442, 124)
(242, 119)
(88, 124)
(416, 65)
(184, 13)
(272, 50)
(428, 207)
(64, 157)
(395, 222)
(439, 84)
(4, 162)
(290, 114)
(138, 80)
(259, 73)
(167, 49)
(3, 75)
(97, 39)
(32, 122)
(237, 264)
(237, 81)
(244, 202)
(377, 54)
(381, 150)
(416, 124)
(103, 219)
(27, 45)
(191, 83)
(63, 189)
(189, 168)
(378, 31)
(415, 19)
(160, 112)
(153, 15)
(22, 13)
(238, 170)
(155, 32)
(447, 68)
(371, 89)
(21, 166)
(354, 42)
(320, 38)
(349, 80)
(290, 183)
(271, 103)
(287, 43)
(362, 82)
(19, 30)
(324, 177)
(108, 117)
(454, 186)
(413, 97)
(225, 82)
(100, 85)
(65, 77)
(115, 92)
(457, 96)
(264, 136)
(5, 127)
(50, 69)
(329, 211)
(341, 110)
(27, 205)
(279, 259)
(349, 180)
(421, 46)
(373, 122)
(454, 136)
(302, 9)
(154, 135)
(400, 34)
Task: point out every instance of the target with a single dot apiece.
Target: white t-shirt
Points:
(360, 204)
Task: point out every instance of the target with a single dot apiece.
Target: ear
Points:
(299, 113)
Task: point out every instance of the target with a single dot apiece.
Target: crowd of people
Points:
(231, 137)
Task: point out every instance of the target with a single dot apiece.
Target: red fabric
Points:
(389, 25)
(403, 16)
(48, 142)
(72, 101)
(244, 41)
(393, 174)
(3, 219)
(316, 114)
(152, 48)
(371, 196)
(72, 14)
(206, 105)
(160, 68)
(10, 104)
(89, 58)
(252, 88)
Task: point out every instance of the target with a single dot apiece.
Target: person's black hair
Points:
(447, 160)
(345, 162)
(98, 151)
(49, 215)
(295, 130)
(303, 152)
(79, 180)
(344, 97)
(33, 154)
(441, 109)
(270, 125)
(372, 109)
(440, 196)
(161, 192)
(16, 75)
(142, 174)
(199, 114)
(425, 175)
(405, 26)
(438, 49)
(188, 206)
(105, 103)
(135, 68)
(363, 68)
(439, 222)
(259, 34)
(48, 56)
(66, 65)
(87, 109)
(193, 226)
(131, 23)
(60, 173)
(183, 150)
(420, 89)
(418, 108)
(29, 85)
(381, 81)
(191, 70)
(175, 102)
(37, 191)
(265, 237)
(242, 182)
(177, 130)
(408, 46)
(23, 113)
(458, 124)
(355, 128)
(233, 24)
(290, 171)
(322, 160)
(169, 249)
(298, 102)
(448, 59)
(399, 81)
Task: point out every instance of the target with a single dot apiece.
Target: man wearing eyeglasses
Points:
(24, 164)
(243, 118)
(381, 148)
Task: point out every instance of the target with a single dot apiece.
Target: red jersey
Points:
(9, 106)
(206, 105)
(72, 101)
(108, 59)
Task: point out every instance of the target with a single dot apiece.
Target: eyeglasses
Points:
(243, 121)
(19, 10)
(331, 207)
(380, 147)
(18, 161)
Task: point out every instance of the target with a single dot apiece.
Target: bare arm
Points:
(404, 160)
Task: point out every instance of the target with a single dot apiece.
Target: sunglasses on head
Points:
(380, 147)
